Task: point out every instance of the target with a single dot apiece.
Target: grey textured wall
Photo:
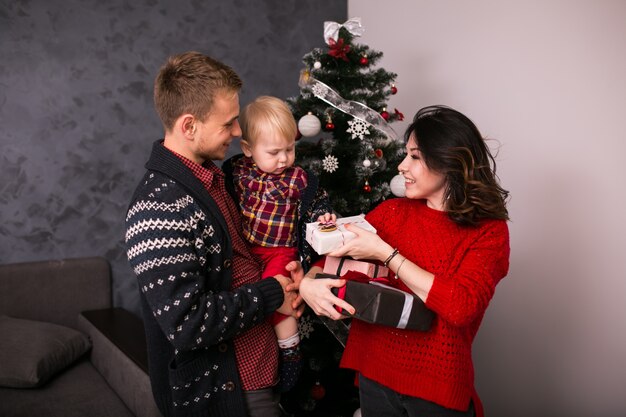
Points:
(76, 114)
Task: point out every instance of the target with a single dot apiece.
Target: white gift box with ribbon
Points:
(324, 242)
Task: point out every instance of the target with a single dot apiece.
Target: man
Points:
(211, 350)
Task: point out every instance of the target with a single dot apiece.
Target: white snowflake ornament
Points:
(330, 163)
(358, 128)
(305, 327)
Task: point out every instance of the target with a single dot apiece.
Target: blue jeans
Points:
(380, 401)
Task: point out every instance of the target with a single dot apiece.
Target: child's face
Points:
(271, 152)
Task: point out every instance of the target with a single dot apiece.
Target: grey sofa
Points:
(110, 378)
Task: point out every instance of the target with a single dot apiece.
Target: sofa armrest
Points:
(119, 354)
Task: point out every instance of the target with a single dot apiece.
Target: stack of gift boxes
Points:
(367, 288)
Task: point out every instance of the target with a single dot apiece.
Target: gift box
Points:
(382, 304)
(340, 266)
(324, 239)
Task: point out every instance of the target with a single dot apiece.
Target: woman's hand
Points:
(316, 293)
(366, 245)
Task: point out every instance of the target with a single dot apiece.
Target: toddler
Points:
(277, 198)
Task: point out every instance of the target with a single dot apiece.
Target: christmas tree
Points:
(344, 97)
(348, 142)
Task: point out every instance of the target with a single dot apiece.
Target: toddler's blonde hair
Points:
(267, 114)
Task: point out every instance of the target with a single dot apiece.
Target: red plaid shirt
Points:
(256, 349)
(268, 202)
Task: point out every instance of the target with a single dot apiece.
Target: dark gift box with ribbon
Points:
(382, 304)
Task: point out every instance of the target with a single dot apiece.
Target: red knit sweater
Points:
(467, 263)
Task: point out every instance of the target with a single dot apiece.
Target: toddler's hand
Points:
(327, 218)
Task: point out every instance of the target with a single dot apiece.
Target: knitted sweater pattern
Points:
(179, 248)
(467, 262)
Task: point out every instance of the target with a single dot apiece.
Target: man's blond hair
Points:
(188, 83)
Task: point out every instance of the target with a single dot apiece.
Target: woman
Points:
(448, 243)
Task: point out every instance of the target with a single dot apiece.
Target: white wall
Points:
(547, 79)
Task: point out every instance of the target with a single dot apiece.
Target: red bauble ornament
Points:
(318, 391)
(298, 135)
(394, 89)
(367, 188)
(329, 126)
(385, 114)
(378, 152)
(364, 60)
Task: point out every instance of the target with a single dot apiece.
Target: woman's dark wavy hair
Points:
(451, 145)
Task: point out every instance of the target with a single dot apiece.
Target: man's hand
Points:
(297, 273)
(287, 307)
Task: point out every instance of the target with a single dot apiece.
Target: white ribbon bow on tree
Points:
(331, 29)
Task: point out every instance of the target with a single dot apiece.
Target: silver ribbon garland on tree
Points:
(331, 29)
(353, 108)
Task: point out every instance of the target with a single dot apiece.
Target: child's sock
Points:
(290, 362)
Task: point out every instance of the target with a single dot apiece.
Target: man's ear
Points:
(186, 125)
(246, 148)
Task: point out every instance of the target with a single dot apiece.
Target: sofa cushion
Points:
(33, 351)
(78, 391)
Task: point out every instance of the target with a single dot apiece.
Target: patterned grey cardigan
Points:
(179, 247)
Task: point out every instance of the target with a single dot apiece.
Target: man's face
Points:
(213, 136)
